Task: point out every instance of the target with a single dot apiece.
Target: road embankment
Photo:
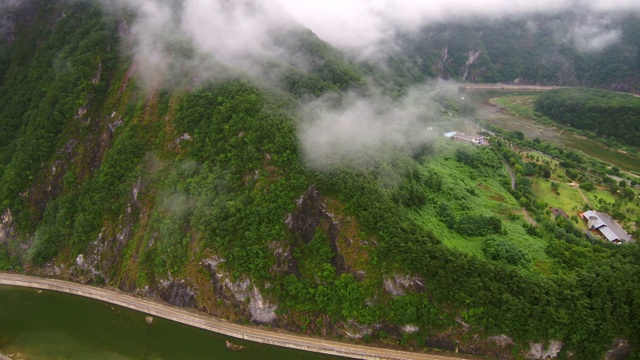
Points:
(192, 318)
(478, 86)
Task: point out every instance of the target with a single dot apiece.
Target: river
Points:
(532, 129)
(49, 325)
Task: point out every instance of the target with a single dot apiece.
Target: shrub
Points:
(505, 251)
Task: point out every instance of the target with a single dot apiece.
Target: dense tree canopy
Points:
(604, 113)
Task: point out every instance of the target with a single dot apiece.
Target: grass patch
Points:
(519, 105)
(567, 198)
(470, 246)
(468, 191)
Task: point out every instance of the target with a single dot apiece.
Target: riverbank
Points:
(192, 318)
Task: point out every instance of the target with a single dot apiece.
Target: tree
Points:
(587, 186)
(613, 188)
(506, 251)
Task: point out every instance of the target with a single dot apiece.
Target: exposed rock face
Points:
(398, 284)
(473, 56)
(311, 213)
(285, 263)
(306, 218)
(6, 227)
(538, 350)
(102, 254)
(85, 268)
(621, 350)
(177, 292)
(502, 340)
(261, 310)
(240, 292)
(353, 330)
(409, 329)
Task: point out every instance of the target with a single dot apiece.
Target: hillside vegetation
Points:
(602, 112)
(200, 196)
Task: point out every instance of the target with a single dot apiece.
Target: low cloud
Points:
(209, 38)
(6, 20)
(203, 39)
(361, 24)
(592, 37)
(360, 132)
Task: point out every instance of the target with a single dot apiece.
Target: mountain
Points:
(566, 49)
(198, 189)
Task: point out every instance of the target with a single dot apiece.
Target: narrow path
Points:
(583, 195)
(511, 173)
(525, 214)
(199, 320)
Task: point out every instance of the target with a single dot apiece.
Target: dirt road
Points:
(507, 87)
(192, 318)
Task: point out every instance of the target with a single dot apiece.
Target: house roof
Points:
(607, 227)
(608, 233)
(594, 219)
(617, 229)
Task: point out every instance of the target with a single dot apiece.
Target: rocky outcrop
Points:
(540, 351)
(309, 212)
(240, 293)
(310, 216)
(397, 285)
(502, 340)
(285, 263)
(261, 311)
(6, 227)
(177, 292)
(621, 350)
(103, 254)
(409, 329)
(353, 330)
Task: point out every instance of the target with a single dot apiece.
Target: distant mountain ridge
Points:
(567, 49)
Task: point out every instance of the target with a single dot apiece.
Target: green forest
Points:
(152, 186)
(602, 112)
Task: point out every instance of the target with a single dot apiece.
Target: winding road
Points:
(199, 320)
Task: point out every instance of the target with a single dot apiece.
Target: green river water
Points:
(50, 325)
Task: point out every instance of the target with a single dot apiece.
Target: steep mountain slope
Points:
(199, 195)
(569, 49)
